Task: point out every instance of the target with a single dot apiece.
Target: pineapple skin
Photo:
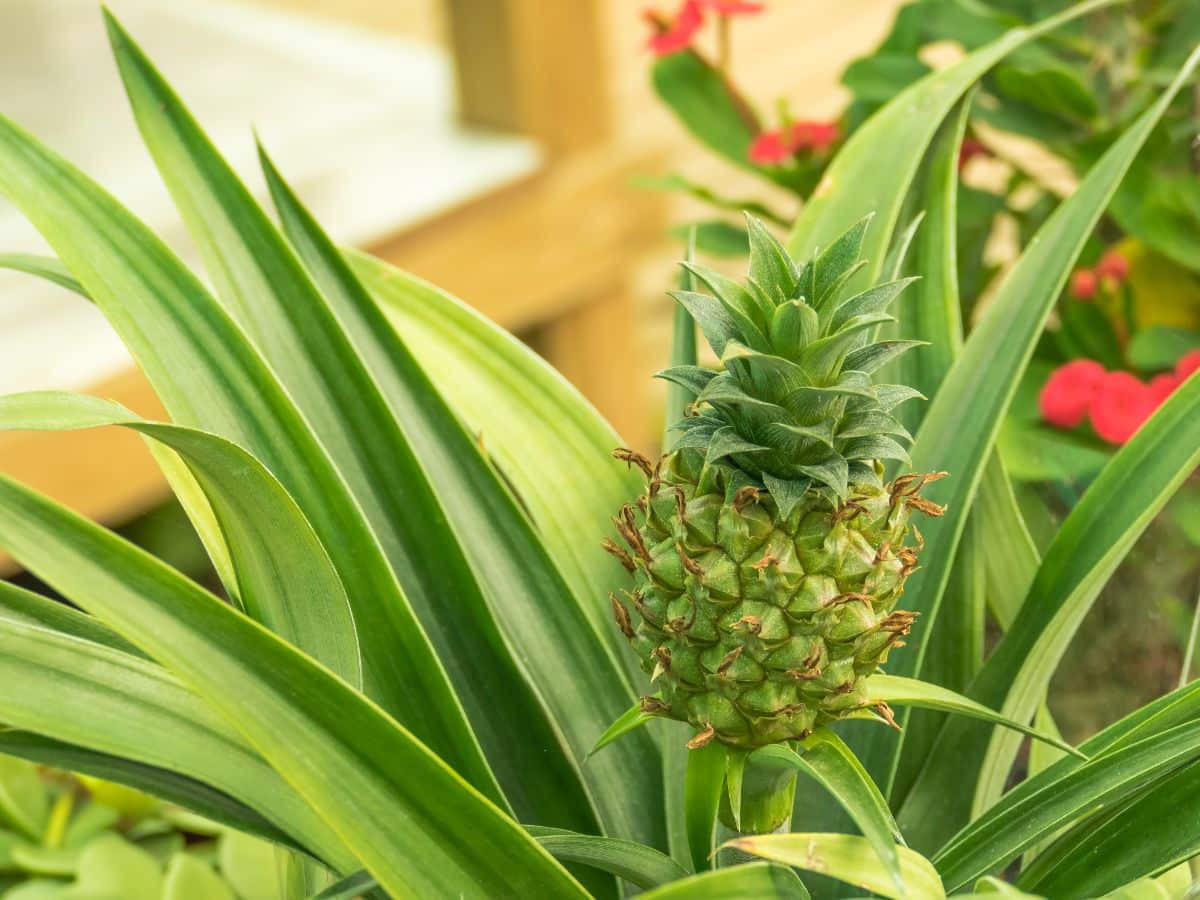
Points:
(758, 629)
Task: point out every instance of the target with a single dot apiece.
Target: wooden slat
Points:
(532, 67)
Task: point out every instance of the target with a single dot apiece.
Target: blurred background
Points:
(506, 150)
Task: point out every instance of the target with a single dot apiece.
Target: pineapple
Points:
(767, 552)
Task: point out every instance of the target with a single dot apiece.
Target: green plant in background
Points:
(82, 838)
(417, 652)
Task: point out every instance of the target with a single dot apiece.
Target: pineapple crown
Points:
(795, 408)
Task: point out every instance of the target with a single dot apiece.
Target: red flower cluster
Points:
(774, 148)
(1116, 403)
(1111, 271)
(674, 34)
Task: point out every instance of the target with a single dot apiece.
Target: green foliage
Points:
(405, 507)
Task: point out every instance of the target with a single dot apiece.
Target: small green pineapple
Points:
(767, 553)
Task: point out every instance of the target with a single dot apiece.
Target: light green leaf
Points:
(125, 708)
(189, 878)
(24, 800)
(416, 826)
(111, 866)
(249, 865)
(828, 761)
(630, 720)
(268, 293)
(56, 862)
(493, 381)
(847, 858)
(349, 888)
(762, 881)
(287, 580)
(912, 692)
(636, 863)
(46, 267)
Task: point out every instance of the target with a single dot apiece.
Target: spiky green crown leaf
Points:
(795, 408)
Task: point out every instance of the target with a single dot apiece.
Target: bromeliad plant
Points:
(417, 651)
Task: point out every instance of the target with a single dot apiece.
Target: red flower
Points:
(774, 148)
(818, 136)
(1162, 386)
(1188, 363)
(971, 148)
(1113, 265)
(678, 34)
(1084, 284)
(770, 149)
(1120, 406)
(1068, 392)
(733, 7)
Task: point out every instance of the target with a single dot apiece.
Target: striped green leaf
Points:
(91, 696)
(286, 579)
(171, 325)
(163, 783)
(578, 686)
(638, 864)
(1144, 838)
(411, 821)
(992, 841)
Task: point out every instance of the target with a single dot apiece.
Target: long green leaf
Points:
(46, 267)
(578, 687)
(91, 696)
(267, 291)
(856, 183)
(1092, 541)
(762, 881)
(415, 825)
(830, 763)
(960, 428)
(930, 312)
(167, 785)
(539, 430)
(847, 858)
(1157, 717)
(20, 605)
(287, 580)
(349, 888)
(991, 842)
(636, 863)
(1130, 843)
(209, 376)
(913, 692)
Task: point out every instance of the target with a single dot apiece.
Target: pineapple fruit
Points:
(767, 552)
